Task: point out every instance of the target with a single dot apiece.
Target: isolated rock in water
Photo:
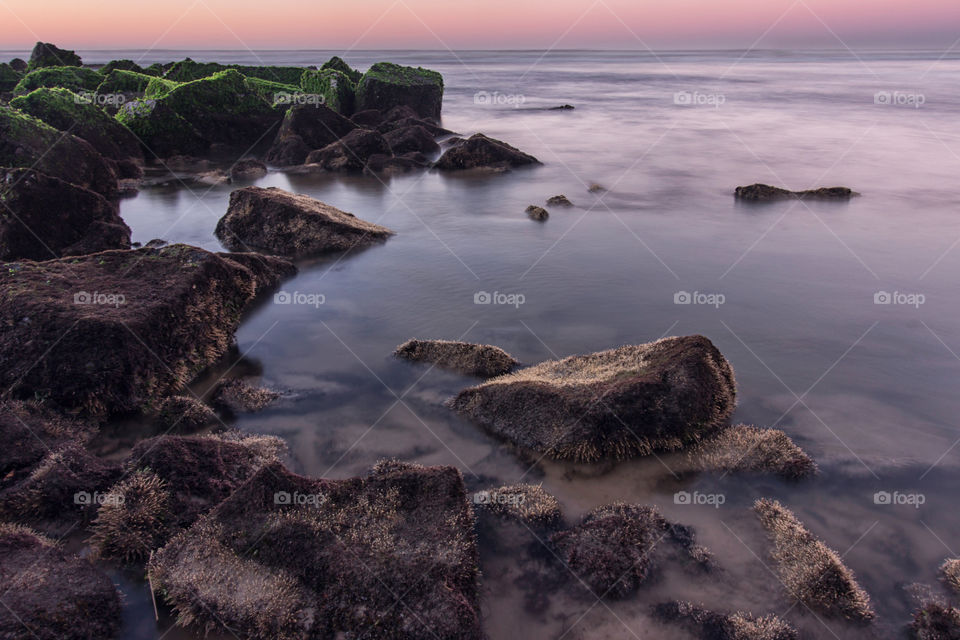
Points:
(415, 138)
(615, 404)
(28, 142)
(237, 396)
(761, 192)
(481, 360)
(712, 625)
(307, 127)
(118, 330)
(53, 595)
(351, 152)
(481, 152)
(559, 201)
(293, 225)
(527, 503)
(812, 572)
(597, 188)
(46, 218)
(331, 558)
(387, 85)
(248, 169)
(48, 55)
(180, 414)
(537, 213)
(936, 621)
(745, 448)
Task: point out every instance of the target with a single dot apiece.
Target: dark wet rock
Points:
(337, 63)
(268, 271)
(405, 123)
(383, 163)
(66, 111)
(331, 557)
(764, 192)
(481, 152)
(304, 129)
(537, 213)
(559, 201)
(29, 143)
(386, 85)
(713, 625)
(123, 65)
(950, 572)
(414, 138)
(248, 169)
(47, 218)
(396, 114)
(936, 621)
(562, 107)
(9, 78)
(288, 152)
(180, 414)
(747, 449)
(289, 224)
(114, 331)
(213, 178)
(30, 431)
(811, 572)
(470, 359)
(48, 55)
(19, 65)
(351, 152)
(236, 396)
(169, 482)
(49, 595)
(76, 79)
(527, 503)
(615, 404)
(597, 188)
(369, 119)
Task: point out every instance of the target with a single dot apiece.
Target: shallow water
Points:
(869, 390)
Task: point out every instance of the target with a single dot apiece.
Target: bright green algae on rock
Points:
(335, 87)
(73, 78)
(337, 63)
(189, 70)
(387, 85)
(8, 77)
(121, 81)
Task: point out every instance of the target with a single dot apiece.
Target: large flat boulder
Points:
(288, 557)
(294, 225)
(615, 404)
(387, 85)
(482, 152)
(47, 218)
(116, 331)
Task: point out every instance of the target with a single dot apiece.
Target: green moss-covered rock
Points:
(335, 87)
(123, 65)
(28, 142)
(275, 93)
(126, 82)
(189, 70)
(159, 87)
(161, 130)
(74, 78)
(158, 68)
(9, 78)
(337, 63)
(387, 85)
(66, 111)
(48, 55)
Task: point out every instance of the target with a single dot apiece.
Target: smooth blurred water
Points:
(869, 390)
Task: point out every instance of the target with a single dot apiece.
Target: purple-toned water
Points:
(872, 391)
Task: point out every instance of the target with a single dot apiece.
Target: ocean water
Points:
(869, 389)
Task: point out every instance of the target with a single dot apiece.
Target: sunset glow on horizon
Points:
(440, 24)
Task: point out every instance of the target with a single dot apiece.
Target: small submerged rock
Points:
(292, 225)
(527, 503)
(746, 448)
(247, 169)
(482, 152)
(480, 360)
(713, 625)
(764, 192)
(936, 620)
(559, 201)
(537, 213)
(236, 396)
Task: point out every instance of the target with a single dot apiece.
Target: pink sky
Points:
(484, 24)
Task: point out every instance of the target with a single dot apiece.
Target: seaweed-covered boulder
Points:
(170, 481)
(49, 595)
(482, 360)
(714, 625)
(745, 448)
(188, 70)
(337, 63)
(28, 142)
(812, 572)
(66, 111)
(45, 217)
(126, 83)
(481, 152)
(526, 503)
(237, 396)
(614, 404)
(163, 132)
(9, 77)
(936, 620)
(351, 152)
(766, 193)
(247, 169)
(45, 54)
(74, 78)
(336, 89)
(331, 558)
(294, 225)
(124, 64)
(304, 129)
(116, 331)
(415, 138)
(387, 85)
